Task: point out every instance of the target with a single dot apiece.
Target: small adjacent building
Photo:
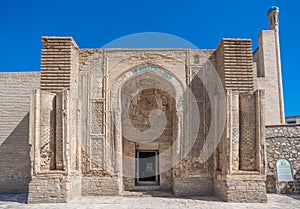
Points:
(293, 120)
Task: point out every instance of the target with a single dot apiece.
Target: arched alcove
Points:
(147, 107)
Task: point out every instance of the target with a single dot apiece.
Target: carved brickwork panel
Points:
(247, 132)
(97, 152)
(97, 118)
(47, 140)
(200, 123)
(59, 132)
(235, 129)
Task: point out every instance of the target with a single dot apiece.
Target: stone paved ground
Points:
(275, 202)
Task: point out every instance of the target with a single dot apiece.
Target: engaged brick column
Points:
(242, 177)
(53, 124)
(235, 64)
(57, 62)
(60, 70)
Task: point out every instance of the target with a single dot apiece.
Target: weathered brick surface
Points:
(48, 188)
(15, 89)
(235, 64)
(193, 185)
(99, 185)
(56, 63)
(54, 187)
(247, 143)
(240, 190)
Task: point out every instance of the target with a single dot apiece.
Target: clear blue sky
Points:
(94, 23)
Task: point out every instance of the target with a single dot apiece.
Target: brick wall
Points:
(99, 186)
(15, 89)
(241, 190)
(201, 184)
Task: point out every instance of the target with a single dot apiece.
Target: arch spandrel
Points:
(154, 72)
(174, 65)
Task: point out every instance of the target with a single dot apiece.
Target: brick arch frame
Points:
(116, 106)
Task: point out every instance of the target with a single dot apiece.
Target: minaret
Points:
(273, 18)
(274, 25)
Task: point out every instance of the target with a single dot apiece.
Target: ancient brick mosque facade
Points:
(105, 121)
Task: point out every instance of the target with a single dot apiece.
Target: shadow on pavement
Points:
(20, 198)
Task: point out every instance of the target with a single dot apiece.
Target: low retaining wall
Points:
(283, 142)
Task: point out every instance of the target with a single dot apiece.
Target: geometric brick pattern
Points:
(97, 118)
(97, 152)
(59, 132)
(247, 132)
(47, 137)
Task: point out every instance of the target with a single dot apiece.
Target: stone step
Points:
(147, 194)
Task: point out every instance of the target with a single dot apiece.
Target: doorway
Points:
(147, 168)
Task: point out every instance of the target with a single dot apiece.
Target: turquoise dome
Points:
(273, 8)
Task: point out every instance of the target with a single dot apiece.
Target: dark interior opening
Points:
(147, 166)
